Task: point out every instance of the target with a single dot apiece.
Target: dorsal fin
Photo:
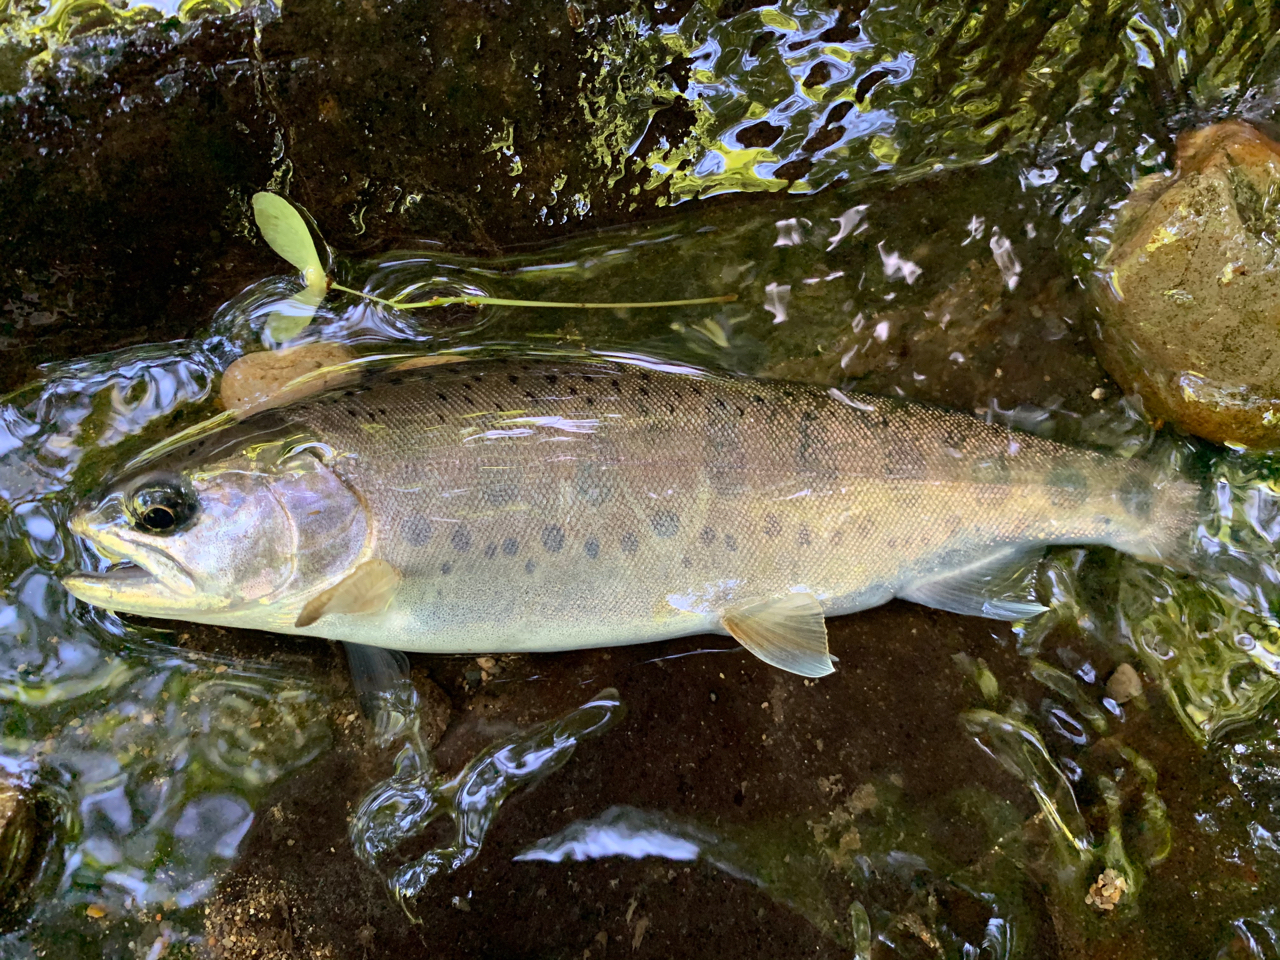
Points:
(788, 632)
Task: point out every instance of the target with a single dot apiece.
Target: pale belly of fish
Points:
(547, 504)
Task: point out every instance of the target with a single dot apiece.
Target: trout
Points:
(542, 504)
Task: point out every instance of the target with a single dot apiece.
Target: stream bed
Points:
(907, 199)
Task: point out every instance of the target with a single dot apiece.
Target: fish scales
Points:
(539, 505)
(545, 504)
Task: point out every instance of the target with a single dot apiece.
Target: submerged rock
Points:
(254, 377)
(29, 823)
(1190, 289)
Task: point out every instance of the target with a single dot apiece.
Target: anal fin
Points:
(999, 587)
(787, 632)
(385, 692)
(368, 588)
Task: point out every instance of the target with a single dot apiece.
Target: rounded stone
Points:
(1189, 290)
(256, 378)
(31, 822)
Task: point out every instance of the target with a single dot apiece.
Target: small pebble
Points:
(1124, 684)
(1107, 890)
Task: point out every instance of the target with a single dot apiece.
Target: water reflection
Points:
(406, 804)
(155, 754)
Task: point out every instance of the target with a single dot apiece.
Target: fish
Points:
(548, 503)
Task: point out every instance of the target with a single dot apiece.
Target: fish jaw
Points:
(141, 580)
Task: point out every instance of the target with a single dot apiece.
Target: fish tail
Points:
(1157, 504)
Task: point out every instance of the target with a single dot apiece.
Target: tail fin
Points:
(1165, 499)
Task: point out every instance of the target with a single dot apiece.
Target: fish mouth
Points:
(129, 587)
(91, 587)
(140, 579)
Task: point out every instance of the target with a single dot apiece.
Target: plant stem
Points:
(502, 302)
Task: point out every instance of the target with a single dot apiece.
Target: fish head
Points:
(247, 537)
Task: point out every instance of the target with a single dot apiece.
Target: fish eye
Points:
(161, 508)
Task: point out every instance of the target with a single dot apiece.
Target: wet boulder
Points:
(30, 820)
(1189, 290)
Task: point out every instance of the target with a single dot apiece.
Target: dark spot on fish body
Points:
(707, 537)
(592, 481)
(490, 550)
(726, 458)
(772, 525)
(1068, 486)
(415, 531)
(666, 523)
(686, 562)
(530, 566)
(903, 458)
(730, 542)
(1137, 496)
(813, 453)
(629, 543)
(803, 536)
(592, 548)
(446, 567)
(553, 539)
(461, 539)
(510, 546)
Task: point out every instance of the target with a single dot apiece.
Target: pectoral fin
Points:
(367, 589)
(788, 632)
(1000, 587)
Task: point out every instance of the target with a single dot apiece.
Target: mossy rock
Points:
(1190, 289)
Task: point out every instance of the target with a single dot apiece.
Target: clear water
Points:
(930, 184)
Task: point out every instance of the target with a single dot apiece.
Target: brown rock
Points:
(256, 377)
(1190, 289)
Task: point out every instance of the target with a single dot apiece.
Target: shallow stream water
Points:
(904, 199)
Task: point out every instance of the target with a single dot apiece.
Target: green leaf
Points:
(294, 314)
(287, 234)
